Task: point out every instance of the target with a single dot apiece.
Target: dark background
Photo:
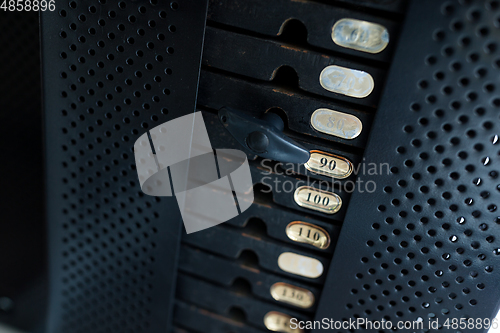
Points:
(22, 224)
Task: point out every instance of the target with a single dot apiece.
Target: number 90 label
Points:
(322, 201)
(329, 165)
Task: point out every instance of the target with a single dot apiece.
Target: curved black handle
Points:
(263, 137)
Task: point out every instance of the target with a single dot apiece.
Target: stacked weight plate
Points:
(268, 56)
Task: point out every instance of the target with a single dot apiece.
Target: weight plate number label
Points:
(308, 233)
(300, 265)
(279, 322)
(360, 35)
(336, 123)
(322, 201)
(286, 293)
(346, 81)
(330, 165)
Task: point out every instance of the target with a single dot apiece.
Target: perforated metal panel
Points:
(113, 69)
(426, 243)
(423, 246)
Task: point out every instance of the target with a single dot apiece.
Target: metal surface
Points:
(295, 105)
(347, 81)
(360, 35)
(225, 272)
(425, 244)
(279, 322)
(315, 19)
(300, 265)
(231, 242)
(233, 275)
(215, 299)
(336, 123)
(287, 293)
(265, 66)
(111, 70)
(263, 137)
(308, 233)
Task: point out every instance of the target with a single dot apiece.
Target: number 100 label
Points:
(322, 201)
